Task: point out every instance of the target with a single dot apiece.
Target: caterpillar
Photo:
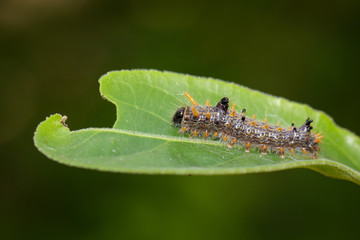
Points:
(235, 127)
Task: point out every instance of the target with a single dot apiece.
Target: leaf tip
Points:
(51, 130)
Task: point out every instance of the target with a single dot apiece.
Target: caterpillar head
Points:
(178, 116)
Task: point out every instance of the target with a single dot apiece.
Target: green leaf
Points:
(143, 140)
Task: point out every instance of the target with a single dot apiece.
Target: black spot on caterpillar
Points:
(233, 127)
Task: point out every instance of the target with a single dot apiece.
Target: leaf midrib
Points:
(149, 135)
(164, 138)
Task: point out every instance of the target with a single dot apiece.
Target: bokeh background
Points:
(52, 55)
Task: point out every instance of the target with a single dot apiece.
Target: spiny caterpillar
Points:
(235, 127)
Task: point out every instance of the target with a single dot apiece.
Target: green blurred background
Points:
(52, 55)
